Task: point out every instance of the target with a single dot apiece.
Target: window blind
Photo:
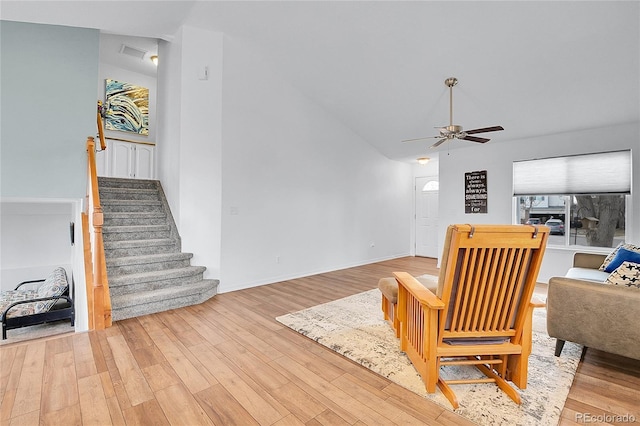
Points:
(599, 173)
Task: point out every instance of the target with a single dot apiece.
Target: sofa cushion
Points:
(613, 254)
(623, 255)
(55, 285)
(9, 297)
(627, 274)
(587, 274)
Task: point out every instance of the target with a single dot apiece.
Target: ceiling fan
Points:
(453, 131)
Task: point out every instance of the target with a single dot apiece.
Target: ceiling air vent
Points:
(132, 51)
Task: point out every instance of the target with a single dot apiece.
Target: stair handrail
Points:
(98, 297)
(103, 144)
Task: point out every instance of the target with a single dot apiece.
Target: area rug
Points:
(354, 327)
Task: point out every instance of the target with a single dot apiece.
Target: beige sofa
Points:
(584, 310)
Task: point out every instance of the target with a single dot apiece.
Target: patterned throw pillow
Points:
(611, 255)
(627, 274)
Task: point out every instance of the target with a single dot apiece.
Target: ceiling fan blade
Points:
(476, 139)
(420, 139)
(484, 130)
(440, 142)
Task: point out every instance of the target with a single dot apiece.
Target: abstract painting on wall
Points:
(127, 107)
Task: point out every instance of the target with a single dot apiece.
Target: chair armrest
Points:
(28, 282)
(537, 303)
(588, 260)
(420, 292)
(3, 315)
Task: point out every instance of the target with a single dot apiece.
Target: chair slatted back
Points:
(490, 273)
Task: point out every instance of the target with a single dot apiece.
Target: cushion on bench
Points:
(389, 286)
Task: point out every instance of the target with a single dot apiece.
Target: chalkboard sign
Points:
(475, 192)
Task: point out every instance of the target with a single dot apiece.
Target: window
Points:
(432, 185)
(583, 198)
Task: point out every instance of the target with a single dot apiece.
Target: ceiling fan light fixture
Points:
(423, 160)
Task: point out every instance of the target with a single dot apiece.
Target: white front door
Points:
(427, 217)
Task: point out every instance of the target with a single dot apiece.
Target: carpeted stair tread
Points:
(165, 274)
(148, 302)
(150, 258)
(124, 244)
(135, 232)
(163, 294)
(128, 194)
(135, 228)
(107, 182)
(124, 206)
(134, 218)
(118, 202)
(130, 215)
(155, 280)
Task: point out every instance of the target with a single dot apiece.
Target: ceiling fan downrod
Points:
(450, 82)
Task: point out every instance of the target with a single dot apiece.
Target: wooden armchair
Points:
(481, 313)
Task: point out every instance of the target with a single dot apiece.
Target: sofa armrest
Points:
(588, 260)
(594, 315)
(28, 282)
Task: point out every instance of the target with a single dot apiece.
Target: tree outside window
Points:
(587, 220)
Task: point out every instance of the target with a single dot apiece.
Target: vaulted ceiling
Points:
(535, 67)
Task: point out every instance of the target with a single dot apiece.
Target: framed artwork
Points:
(126, 107)
(475, 192)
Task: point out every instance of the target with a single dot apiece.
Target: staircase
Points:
(146, 270)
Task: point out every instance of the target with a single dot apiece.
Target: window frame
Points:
(568, 201)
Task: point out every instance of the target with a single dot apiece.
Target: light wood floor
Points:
(228, 361)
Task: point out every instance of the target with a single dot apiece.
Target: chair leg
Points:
(390, 312)
(559, 346)
(502, 384)
(432, 374)
(396, 320)
(448, 393)
(518, 370)
(384, 308)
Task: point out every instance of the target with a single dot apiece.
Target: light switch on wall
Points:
(203, 73)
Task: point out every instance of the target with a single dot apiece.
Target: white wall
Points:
(189, 148)
(34, 239)
(302, 193)
(497, 159)
(169, 124)
(265, 185)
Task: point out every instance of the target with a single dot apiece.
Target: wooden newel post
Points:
(98, 259)
(101, 309)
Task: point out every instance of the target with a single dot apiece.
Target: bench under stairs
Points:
(146, 269)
